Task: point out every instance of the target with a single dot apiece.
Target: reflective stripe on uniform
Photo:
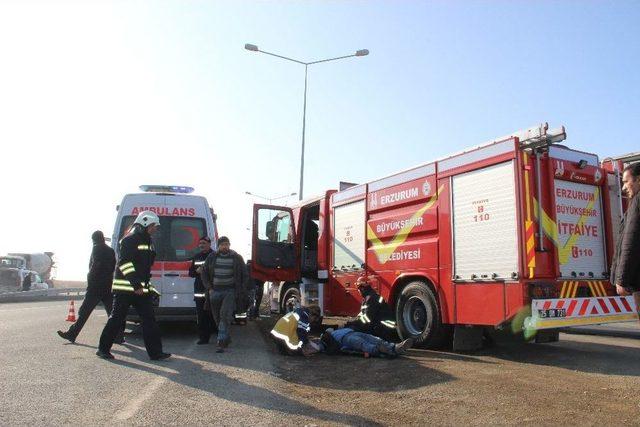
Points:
(363, 318)
(286, 340)
(127, 288)
(389, 323)
(143, 247)
(125, 285)
(126, 266)
(304, 326)
(198, 263)
(199, 295)
(381, 300)
(128, 270)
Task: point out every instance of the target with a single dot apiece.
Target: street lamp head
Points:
(254, 48)
(362, 52)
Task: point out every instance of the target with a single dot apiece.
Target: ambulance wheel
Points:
(290, 300)
(418, 316)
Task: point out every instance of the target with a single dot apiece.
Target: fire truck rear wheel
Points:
(290, 300)
(418, 316)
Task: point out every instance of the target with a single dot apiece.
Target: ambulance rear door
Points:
(187, 219)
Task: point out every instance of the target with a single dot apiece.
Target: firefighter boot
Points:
(67, 336)
(104, 355)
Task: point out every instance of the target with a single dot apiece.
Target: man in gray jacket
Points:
(225, 277)
(625, 270)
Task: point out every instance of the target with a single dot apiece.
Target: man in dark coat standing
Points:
(224, 275)
(101, 266)
(625, 271)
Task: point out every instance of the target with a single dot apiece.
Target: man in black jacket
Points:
(205, 321)
(625, 270)
(101, 266)
(376, 316)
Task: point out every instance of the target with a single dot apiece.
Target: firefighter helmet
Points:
(147, 218)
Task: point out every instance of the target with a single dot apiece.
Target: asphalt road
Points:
(583, 380)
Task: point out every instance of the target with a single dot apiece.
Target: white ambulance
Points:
(184, 218)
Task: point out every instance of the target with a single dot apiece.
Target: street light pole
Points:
(304, 125)
(254, 48)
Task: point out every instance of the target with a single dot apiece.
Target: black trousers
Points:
(144, 307)
(93, 296)
(206, 325)
(258, 299)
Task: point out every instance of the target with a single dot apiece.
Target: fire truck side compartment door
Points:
(274, 249)
(485, 224)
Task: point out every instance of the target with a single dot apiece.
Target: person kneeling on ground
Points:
(346, 340)
(291, 332)
(376, 316)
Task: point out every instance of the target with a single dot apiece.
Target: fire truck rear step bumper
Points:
(564, 312)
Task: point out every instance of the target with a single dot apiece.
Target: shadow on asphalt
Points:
(186, 371)
(583, 356)
(225, 387)
(347, 372)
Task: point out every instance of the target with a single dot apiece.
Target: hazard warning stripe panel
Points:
(562, 312)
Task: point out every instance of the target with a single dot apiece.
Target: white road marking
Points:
(135, 405)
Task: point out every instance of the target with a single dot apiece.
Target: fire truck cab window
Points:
(275, 239)
(275, 226)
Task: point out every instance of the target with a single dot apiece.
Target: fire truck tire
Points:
(290, 299)
(418, 316)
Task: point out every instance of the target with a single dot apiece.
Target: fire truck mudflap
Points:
(564, 312)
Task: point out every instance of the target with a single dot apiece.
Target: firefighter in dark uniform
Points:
(206, 325)
(376, 316)
(131, 287)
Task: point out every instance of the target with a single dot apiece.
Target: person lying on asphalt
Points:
(346, 340)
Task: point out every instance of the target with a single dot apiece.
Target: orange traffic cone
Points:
(71, 317)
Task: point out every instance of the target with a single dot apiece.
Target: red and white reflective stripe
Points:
(585, 307)
(581, 311)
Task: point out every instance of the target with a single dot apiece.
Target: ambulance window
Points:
(184, 235)
(176, 239)
(275, 226)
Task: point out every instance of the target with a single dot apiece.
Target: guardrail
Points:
(43, 295)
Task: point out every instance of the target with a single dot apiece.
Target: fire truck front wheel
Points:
(290, 299)
(418, 315)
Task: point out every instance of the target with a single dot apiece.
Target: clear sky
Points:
(97, 98)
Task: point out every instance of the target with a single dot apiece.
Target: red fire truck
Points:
(514, 233)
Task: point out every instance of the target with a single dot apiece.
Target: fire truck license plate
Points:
(552, 312)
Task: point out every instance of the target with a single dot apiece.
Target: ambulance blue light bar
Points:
(166, 189)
